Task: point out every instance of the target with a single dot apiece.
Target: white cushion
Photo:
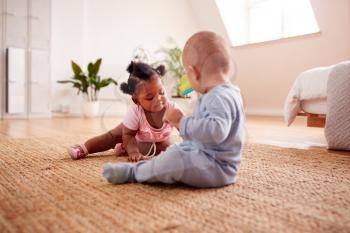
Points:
(337, 129)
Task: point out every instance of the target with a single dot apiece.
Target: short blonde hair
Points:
(209, 52)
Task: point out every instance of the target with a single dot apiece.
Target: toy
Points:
(184, 86)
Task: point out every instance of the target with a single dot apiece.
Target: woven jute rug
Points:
(279, 190)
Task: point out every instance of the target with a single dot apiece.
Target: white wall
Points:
(84, 30)
(266, 71)
(67, 36)
(112, 29)
(208, 17)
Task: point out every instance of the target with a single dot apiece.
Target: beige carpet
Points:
(279, 190)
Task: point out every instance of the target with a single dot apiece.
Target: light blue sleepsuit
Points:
(211, 151)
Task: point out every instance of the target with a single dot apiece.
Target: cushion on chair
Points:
(337, 129)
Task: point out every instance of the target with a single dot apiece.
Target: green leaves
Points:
(90, 84)
(173, 61)
(105, 82)
(94, 68)
(76, 68)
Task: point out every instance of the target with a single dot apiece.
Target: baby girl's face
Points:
(152, 95)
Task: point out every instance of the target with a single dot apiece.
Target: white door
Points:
(39, 81)
(2, 73)
(16, 19)
(2, 12)
(16, 70)
(39, 20)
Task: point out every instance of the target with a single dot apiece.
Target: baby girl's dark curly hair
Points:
(139, 71)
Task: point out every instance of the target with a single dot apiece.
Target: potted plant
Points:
(173, 63)
(172, 59)
(89, 85)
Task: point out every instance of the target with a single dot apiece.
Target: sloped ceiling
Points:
(208, 17)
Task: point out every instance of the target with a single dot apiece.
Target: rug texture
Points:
(279, 190)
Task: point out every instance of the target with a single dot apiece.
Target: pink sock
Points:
(77, 151)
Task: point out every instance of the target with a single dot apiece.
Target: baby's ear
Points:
(193, 70)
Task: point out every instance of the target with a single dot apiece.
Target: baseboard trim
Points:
(79, 115)
(264, 112)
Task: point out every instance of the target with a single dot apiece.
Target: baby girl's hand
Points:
(137, 156)
(173, 116)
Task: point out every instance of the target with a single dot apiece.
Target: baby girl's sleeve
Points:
(131, 120)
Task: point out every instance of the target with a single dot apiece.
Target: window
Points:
(252, 21)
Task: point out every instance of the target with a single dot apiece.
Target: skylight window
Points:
(253, 21)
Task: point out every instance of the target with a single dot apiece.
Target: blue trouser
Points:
(182, 164)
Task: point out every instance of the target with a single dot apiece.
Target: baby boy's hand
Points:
(173, 116)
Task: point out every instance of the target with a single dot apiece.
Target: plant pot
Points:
(90, 108)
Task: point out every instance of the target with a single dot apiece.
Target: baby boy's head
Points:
(207, 59)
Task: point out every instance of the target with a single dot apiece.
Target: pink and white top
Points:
(136, 120)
